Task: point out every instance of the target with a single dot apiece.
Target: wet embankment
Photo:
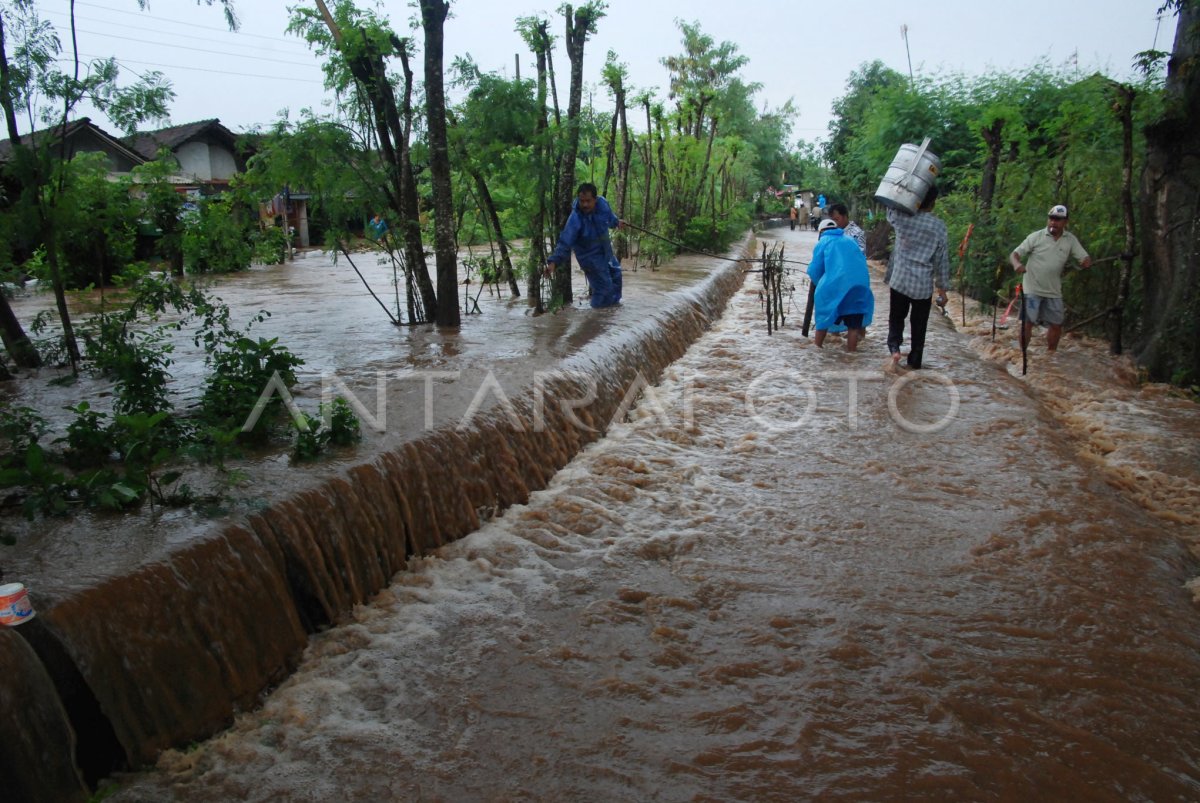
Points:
(110, 675)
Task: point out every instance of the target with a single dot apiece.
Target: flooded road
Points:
(788, 576)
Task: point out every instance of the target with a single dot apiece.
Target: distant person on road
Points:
(1045, 253)
(587, 233)
(840, 215)
(843, 300)
(793, 216)
(919, 265)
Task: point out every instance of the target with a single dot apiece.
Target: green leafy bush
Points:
(270, 245)
(95, 225)
(89, 443)
(20, 428)
(217, 239)
(336, 426)
(241, 371)
(136, 360)
(344, 427)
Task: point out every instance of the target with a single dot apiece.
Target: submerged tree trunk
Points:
(488, 207)
(433, 18)
(623, 165)
(414, 244)
(1169, 346)
(371, 74)
(577, 29)
(16, 342)
(47, 212)
(539, 38)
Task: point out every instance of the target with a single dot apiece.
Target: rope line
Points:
(706, 253)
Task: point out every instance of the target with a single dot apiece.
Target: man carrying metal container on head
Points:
(919, 263)
(919, 266)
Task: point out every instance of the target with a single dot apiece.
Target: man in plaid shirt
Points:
(919, 264)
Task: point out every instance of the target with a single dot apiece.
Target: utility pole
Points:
(904, 35)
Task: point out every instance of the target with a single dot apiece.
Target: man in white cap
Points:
(1041, 258)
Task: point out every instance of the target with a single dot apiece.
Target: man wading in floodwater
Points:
(587, 233)
(919, 266)
(1046, 252)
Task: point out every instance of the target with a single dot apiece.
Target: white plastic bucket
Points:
(15, 606)
(909, 179)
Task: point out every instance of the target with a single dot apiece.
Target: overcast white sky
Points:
(798, 50)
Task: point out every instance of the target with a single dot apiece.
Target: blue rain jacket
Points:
(588, 236)
(839, 272)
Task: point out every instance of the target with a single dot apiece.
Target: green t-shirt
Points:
(1044, 259)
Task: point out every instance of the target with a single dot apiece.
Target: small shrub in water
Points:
(336, 426)
(89, 443)
(20, 428)
(310, 441)
(343, 425)
(241, 371)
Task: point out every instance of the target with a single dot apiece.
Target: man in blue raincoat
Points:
(587, 233)
(843, 300)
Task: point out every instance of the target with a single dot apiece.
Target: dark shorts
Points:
(851, 321)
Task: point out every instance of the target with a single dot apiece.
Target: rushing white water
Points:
(790, 575)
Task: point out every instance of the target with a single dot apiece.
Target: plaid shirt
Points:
(919, 261)
(855, 232)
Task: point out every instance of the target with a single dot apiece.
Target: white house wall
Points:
(206, 162)
(223, 165)
(194, 160)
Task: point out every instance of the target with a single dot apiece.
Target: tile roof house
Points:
(207, 152)
(208, 155)
(81, 136)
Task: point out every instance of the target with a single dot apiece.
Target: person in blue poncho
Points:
(586, 233)
(378, 227)
(842, 301)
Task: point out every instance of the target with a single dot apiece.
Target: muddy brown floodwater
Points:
(407, 381)
(788, 576)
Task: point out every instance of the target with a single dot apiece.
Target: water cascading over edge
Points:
(168, 654)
